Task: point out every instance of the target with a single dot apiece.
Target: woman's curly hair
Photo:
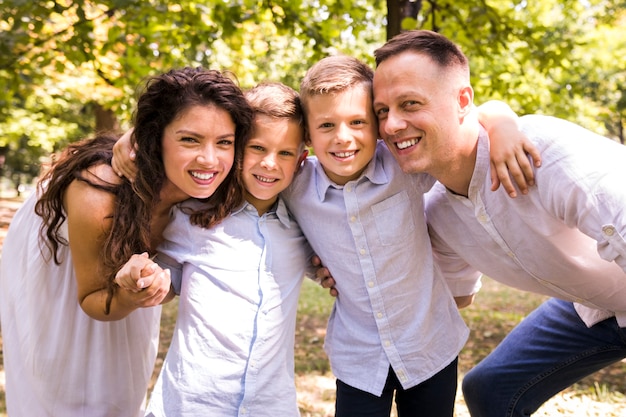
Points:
(164, 98)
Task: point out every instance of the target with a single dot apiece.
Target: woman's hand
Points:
(142, 282)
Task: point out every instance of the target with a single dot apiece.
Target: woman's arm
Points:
(88, 217)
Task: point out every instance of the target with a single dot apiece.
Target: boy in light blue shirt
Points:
(232, 351)
(395, 327)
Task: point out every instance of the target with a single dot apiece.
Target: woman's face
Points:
(198, 152)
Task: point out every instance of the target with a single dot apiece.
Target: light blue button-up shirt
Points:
(232, 352)
(394, 309)
(565, 239)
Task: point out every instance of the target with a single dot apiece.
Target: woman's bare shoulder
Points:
(88, 202)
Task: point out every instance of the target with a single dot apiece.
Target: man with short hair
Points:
(564, 238)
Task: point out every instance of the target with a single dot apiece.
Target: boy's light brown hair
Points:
(276, 100)
(335, 74)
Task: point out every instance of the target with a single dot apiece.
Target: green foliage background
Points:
(69, 67)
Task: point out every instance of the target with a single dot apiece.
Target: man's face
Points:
(418, 111)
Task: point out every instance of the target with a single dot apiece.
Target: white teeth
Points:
(202, 176)
(344, 154)
(265, 179)
(406, 143)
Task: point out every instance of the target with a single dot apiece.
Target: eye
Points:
(225, 142)
(286, 153)
(189, 139)
(358, 122)
(382, 113)
(327, 125)
(409, 104)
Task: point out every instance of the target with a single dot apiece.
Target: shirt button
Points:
(370, 284)
(387, 342)
(511, 254)
(401, 376)
(348, 189)
(379, 315)
(608, 230)
(353, 219)
(362, 251)
(482, 218)
(243, 410)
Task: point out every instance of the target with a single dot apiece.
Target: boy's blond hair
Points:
(335, 74)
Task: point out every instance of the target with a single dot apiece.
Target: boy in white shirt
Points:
(232, 352)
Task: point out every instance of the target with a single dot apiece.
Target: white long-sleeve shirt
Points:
(564, 239)
(232, 352)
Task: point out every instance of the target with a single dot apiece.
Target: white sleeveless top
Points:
(58, 361)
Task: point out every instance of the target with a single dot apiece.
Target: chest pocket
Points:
(394, 219)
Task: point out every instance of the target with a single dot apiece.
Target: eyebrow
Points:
(198, 135)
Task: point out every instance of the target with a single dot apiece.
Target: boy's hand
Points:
(509, 159)
(508, 148)
(139, 273)
(153, 295)
(322, 275)
(123, 161)
(464, 301)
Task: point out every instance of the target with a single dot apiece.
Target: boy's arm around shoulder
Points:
(510, 149)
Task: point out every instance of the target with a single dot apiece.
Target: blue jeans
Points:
(548, 351)
(432, 398)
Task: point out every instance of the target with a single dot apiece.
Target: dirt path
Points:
(8, 207)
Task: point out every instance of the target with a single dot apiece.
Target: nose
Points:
(269, 161)
(207, 155)
(391, 124)
(343, 133)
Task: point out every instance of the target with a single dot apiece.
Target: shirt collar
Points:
(279, 210)
(374, 172)
(481, 168)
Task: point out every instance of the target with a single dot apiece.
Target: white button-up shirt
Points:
(393, 308)
(232, 352)
(564, 239)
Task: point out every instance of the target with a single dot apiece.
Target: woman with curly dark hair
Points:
(67, 241)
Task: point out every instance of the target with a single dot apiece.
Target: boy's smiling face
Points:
(270, 160)
(343, 132)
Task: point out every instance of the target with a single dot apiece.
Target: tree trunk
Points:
(397, 10)
(106, 120)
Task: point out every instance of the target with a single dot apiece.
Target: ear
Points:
(303, 156)
(465, 100)
(307, 137)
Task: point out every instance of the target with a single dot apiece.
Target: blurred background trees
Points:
(70, 67)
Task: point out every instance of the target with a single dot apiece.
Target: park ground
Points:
(497, 309)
